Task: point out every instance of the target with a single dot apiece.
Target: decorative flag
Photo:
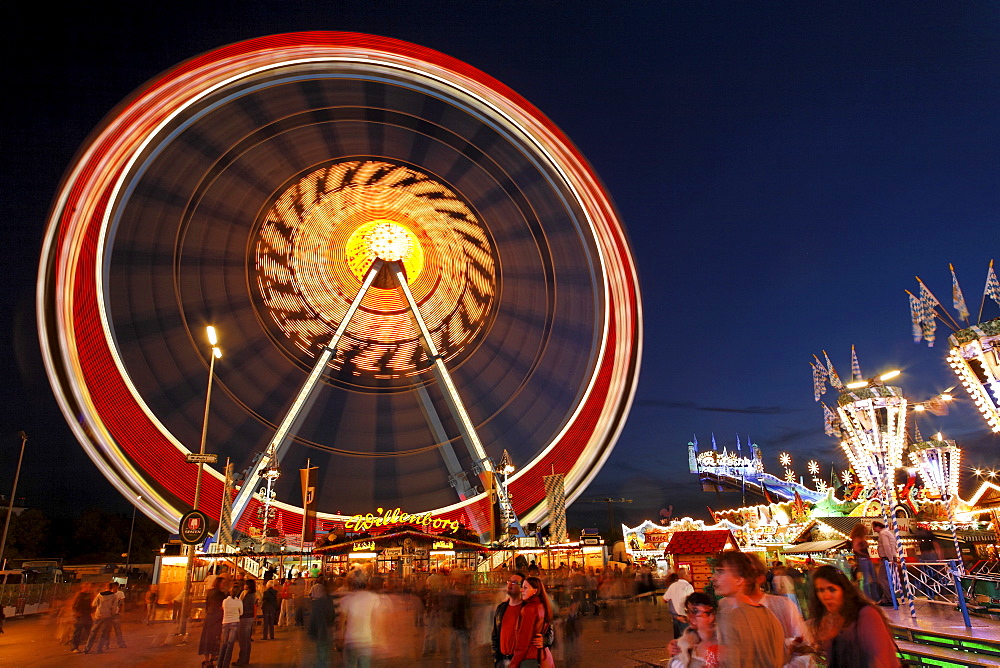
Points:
(767, 494)
(831, 423)
(834, 378)
(819, 379)
(855, 366)
(916, 316)
(799, 505)
(226, 521)
(695, 443)
(714, 447)
(497, 517)
(555, 499)
(992, 285)
(957, 298)
(308, 478)
(928, 321)
(739, 448)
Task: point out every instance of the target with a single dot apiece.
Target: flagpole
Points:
(954, 325)
(982, 303)
(957, 297)
(305, 519)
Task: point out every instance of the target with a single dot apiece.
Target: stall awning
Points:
(814, 546)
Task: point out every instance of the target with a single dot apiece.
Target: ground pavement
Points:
(30, 643)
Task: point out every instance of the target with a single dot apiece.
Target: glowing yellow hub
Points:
(387, 240)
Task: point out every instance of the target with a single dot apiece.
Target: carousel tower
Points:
(938, 462)
(870, 420)
(974, 352)
(873, 418)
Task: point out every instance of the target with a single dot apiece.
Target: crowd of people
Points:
(749, 616)
(751, 627)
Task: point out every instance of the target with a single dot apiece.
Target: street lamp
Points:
(128, 552)
(10, 506)
(216, 353)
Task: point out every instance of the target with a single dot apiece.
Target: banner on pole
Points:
(555, 498)
(308, 479)
(226, 521)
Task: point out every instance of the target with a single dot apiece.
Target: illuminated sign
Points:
(727, 463)
(364, 546)
(443, 545)
(397, 517)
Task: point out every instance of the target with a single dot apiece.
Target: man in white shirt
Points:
(888, 558)
(790, 618)
(358, 610)
(675, 597)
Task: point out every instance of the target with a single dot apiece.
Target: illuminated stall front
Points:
(402, 552)
(645, 543)
(398, 542)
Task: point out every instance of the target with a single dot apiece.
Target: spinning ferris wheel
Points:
(410, 267)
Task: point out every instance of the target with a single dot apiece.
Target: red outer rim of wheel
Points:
(117, 433)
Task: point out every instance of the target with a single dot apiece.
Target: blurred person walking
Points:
(358, 610)
(790, 617)
(286, 616)
(83, 611)
(211, 631)
(750, 636)
(859, 548)
(457, 606)
(269, 609)
(152, 598)
(103, 605)
(116, 614)
(675, 597)
(846, 628)
(247, 619)
(889, 559)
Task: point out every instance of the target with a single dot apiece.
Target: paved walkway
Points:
(30, 643)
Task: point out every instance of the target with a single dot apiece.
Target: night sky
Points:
(784, 170)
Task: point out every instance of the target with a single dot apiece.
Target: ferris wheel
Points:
(409, 267)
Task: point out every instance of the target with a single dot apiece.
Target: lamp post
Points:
(188, 572)
(131, 532)
(10, 506)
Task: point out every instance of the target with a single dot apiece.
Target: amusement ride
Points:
(414, 273)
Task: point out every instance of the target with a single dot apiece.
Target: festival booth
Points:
(645, 543)
(399, 543)
(693, 549)
(402, 552)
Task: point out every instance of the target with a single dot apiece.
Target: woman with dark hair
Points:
(211, 632)
(533, 620)
(847, 628)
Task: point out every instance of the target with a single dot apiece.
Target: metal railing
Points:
(30, 598)
(933, 581)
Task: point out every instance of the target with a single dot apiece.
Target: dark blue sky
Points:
(783, 170)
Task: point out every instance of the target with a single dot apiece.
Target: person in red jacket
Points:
(534, 620)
